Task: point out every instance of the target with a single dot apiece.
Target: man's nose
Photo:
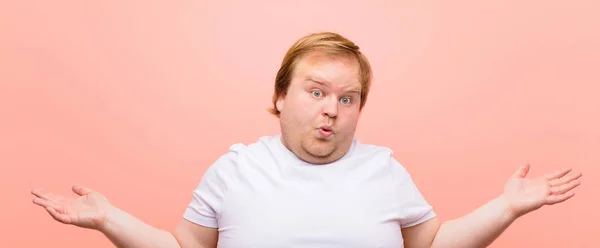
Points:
(330, 107)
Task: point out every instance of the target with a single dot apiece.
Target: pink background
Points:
(122, 96)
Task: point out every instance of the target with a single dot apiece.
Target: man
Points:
(314, 185)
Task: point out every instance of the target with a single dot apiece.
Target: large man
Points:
(315, 184)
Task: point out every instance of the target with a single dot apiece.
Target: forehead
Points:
(341, 71)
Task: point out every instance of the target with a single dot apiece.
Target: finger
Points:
(47, 203)
(522, 171)
(58, 216)
(554, 199)
(81, 190)
(558, 174)
(41, 194)
(558, 190)
(46, 195)
(41, 202)
(565, 179)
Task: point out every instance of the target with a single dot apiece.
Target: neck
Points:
(305, 156)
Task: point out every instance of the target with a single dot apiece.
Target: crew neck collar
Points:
(293, 157)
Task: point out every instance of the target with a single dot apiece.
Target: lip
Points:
(325, 131)
(326, 128)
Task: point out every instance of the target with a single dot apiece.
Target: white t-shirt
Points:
(261, 195)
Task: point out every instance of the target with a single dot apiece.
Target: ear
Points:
(280, 102)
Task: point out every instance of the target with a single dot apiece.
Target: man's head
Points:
(320, 90)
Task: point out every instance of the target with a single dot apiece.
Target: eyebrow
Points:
(325, 83)
(321, 82)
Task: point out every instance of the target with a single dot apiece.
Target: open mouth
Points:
(325, 131)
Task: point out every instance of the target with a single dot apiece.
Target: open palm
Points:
(525, 195)
(88, 210)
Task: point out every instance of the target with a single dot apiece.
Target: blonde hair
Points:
(329, 43)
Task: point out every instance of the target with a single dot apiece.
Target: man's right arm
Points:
(197, 229)
(127, 231)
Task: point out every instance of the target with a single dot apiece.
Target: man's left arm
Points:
(482, 226)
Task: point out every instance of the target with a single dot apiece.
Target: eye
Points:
(316, 93)
(346, 100)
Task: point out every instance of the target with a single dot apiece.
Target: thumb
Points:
(81, 190)
(522, 171)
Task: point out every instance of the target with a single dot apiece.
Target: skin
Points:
(483, 225)
(324, 91)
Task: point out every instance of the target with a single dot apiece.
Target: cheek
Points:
(307, 107)
(348, 120)
(301, 112)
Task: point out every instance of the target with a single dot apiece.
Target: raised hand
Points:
(525, 195)
(88, 210)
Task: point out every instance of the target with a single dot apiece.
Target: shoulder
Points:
(379, 159)
(224, 172)
(262, 148)
(219, 179)
(368, 149)
(410, 203)
(384, 155)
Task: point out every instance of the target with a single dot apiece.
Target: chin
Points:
(319, 148)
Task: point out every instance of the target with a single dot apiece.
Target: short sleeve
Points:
(413, 207)
(208, 196)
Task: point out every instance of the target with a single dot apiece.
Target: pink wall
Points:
(121, 97)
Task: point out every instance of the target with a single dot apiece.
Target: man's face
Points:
(320, 112)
